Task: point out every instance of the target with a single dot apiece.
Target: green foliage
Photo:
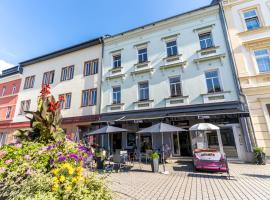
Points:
(259, 156)
(154, 155)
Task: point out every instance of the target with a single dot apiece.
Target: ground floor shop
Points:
(230, 118)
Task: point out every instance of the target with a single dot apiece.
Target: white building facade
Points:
(73, 72)
(178, 71)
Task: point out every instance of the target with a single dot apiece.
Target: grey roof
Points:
(107, 129)
(64, 51)
(161, 128)
(11, 71)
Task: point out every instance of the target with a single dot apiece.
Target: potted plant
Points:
(155, 161)
(99, 158)
(259, 156)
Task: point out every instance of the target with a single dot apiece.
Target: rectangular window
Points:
(4, 91)
(89, 97)
(175, 86)
(67, 101)
(171, 48)
(25, 106)
(67, 73)
(3, 138)
(206, 40)
(13, 89)
(91, 67)
(212, 81)
(143, 91)
(251, 20)
(142, 55)
(116, 95)
(93, 97)
(8, 113)
(48, 77)
(29, 82)
(117, 61)
(263, 60)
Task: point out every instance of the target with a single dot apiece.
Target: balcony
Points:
(115, 107)
(142, 68)
(145, 104)
(176, 101)
(216, 97)
(115, 73)
(212, 53)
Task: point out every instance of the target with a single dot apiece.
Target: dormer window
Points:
(251, 19)
(206, 40)
(142, 55)
(3, 91)
(117, 61)
(171, 48)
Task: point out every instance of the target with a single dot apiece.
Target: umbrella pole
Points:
(163, 152)
(109, 144)
(102, 141)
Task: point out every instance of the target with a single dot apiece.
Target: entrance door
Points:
(185, 144)
(117, 141)
(176, 145)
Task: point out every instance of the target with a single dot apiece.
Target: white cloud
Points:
(5, 65)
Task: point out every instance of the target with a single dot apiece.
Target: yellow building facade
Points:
(248, 24)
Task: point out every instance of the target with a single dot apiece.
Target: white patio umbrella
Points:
(107, 130)
(209, 127)
(161, 128)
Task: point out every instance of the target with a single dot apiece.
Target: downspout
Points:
(249, 135)
(100, 74)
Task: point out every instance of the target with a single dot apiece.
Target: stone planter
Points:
(155, 165)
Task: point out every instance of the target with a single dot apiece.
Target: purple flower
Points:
(74, 156)
(50, 147)
(51, 160)
(28, 172)
(2, 170)
(62, 158)
(8, 161)
(14, 141)
(27, 157)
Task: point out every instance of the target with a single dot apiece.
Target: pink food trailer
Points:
(205, 158)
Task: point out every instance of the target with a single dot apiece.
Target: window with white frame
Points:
(89, 97)
(142, 55)
(143, 91)
(116, 61)
(29, 82)
(251, 19)
(116, 95)
(13, 89)
(171, 48)
(91, 67)
(48, 77)
(213, 81)
(3, 91)
(8, 113)
(175, 86)
(25, 106)
(263, 60)
(66, 103)
(3, 138)
(206, 40)
(67, 73)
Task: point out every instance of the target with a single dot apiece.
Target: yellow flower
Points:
(68, 188)
(62, 179)
(55, 180)
(55, 171)
(74, 180)
(55, 187)
(70, 170)
(79, 170)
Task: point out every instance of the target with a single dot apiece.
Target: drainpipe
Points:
(100, 74)
(246, 124)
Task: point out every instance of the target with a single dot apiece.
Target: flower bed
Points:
(45, 165)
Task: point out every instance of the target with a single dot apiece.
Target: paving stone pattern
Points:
(247, 182)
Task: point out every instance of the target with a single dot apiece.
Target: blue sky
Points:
(32, 28)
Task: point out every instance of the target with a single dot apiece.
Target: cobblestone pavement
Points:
(247, 182)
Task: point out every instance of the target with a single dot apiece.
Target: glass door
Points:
(176, 145)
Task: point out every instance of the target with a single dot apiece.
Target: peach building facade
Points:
(248, 23)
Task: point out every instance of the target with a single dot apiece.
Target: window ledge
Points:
(254, 31)
(144, 101)
(116, 104)
(115, 76)
(178, 64)
(172, 58)
(215, 93)
(116, 69)
(142, 71)
(207, 58)
(142, 64)
(208, 49)
(176, 97)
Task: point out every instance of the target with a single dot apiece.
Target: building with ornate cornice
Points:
(248, 24)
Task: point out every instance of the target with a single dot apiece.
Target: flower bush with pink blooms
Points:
(42, 164)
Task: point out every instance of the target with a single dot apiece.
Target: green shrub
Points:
(154, 155)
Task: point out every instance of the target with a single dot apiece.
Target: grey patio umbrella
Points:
(161, 128)
(107, 130)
